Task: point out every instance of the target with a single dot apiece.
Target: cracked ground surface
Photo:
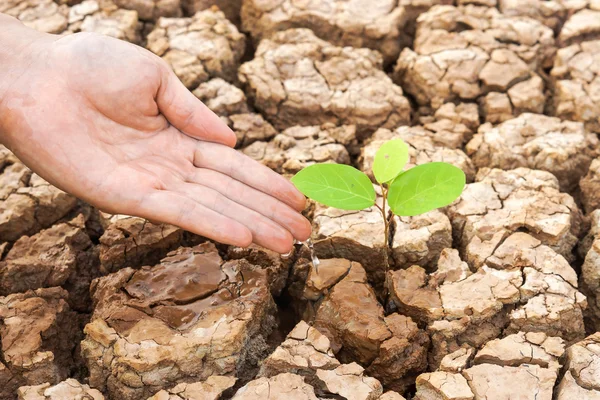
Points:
(496, 296)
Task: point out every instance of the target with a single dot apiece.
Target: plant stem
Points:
(387, 239)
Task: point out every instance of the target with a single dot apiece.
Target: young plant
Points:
(407, 193)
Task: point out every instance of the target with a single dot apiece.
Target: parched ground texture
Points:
(494, 297)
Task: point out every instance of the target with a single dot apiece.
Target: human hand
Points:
(110, 123)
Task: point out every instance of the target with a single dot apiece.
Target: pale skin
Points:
(110, 123)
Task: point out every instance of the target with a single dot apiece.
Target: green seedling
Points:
(407, 193)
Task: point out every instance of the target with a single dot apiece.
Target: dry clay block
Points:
(523, 286)
(231, 8)
(344, 308)
(42, 15)
(576, 87)
(502, 202)
(223, 98)
(151, 10)
(69, 389)
(582, 371)
(134, 242)
(424, 146)
(298, 79)
(453, 124)
(590, 270)
(361, 23)
(536, 141)
(62, 255)
(106, 18)
(551, 13)
(470, 53)
(522, 365)
(199, 48)
(299, 147)
(28, 203)
(582, 25)
(211, 389)
(250, 128)
(38, 333)
(359, 236)
(590, 187)
(191, 316)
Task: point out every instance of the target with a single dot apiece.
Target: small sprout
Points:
(408, 193)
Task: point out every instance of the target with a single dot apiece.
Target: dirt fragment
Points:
(211, 389)
(298, 147)
(133, 242)
(61, 255)
(502, 202)
(68, 389)
(42, 15)
(250, 128)
(39, 332)
(106, 18)
(283, 386)
(222, 98)
(581, 371)
(576, 79)
(199, 48)
(534, 141)
(467, 53)
(152, 10)
(191, 316)
(356, 24)
(523, 286)
(298, 79)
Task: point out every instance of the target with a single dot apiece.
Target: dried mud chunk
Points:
(211, 389)
(348, 382)
(582, 368)
(42, 15)
(222, 98)
(462, 53)
(534, 141)
(62, 255)
(523, 286)
(391, 348)
(550, 13)
(502, 202)
(134, 242)
(191, 316)
(283, 386)
(250, 128)
(204, 46)
(423, 146)
(276, 266)
(298, 147)
(357, 24)
(38, 333)
(298, 79)
(459, 360)
(590, 187)
(523, 365)
(106, 18)
(576, 75)
(231, 8)
(453, 124)
(353, 235)
(581, 26)
(68, 389)
(32, 207)
(420, 240)
(151, 10)
(304, 351)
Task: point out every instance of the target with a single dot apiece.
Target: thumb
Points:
(188, 114)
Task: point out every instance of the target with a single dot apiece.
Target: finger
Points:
(177, 209)
(188, 114)
(246, 170)
(264, 231)
(256, 200)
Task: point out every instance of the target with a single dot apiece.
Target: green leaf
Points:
(425, 188)
(336, 185)
(390, 159)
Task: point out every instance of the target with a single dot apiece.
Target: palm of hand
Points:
(110, 123)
